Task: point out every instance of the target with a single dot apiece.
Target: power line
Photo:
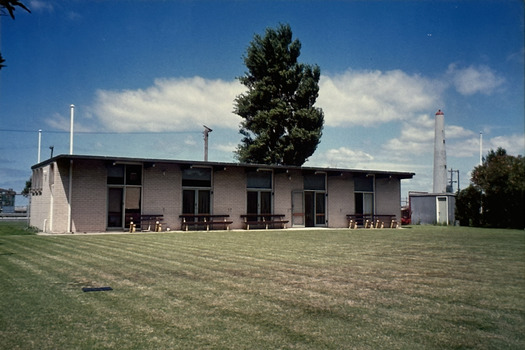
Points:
(102, 132)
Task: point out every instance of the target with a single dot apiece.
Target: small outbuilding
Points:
(80, 193)
(432, 208)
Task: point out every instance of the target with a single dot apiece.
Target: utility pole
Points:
(206, 132)
(452, 171)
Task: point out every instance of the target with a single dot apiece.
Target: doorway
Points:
(314, 208)
(442, 210)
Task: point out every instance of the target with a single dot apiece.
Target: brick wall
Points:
(341, 200)
(162, 193)
(89, 196)
(388, 196)
(229, 194)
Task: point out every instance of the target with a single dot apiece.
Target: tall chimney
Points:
(440, 155)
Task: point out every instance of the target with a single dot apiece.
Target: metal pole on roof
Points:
(206, 132)
(39, 143)
(72, 107)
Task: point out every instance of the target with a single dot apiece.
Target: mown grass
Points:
(15, 227)
(415, 288)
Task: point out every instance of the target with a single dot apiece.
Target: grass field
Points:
(415, 288)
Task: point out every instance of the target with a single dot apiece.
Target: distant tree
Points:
(26, 192)
(501, 182)
(280, 123)
(10, 6)
(468, 206)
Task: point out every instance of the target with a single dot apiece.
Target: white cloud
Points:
(341, 157)
(38, 5)
(513, 144)
(417, 137)
(229, 147)
(369, 98)
(170, 105)
(472, 80)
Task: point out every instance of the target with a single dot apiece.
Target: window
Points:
(196, 193)
(259, 192)
(314, 199)
(364, 195)
(196, 177)
(124, 194)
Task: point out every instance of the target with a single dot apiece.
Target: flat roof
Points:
(333, 171)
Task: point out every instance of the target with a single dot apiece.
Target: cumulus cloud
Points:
(341, 157)
(417, 137)
(474, 79)
(513, 144)
(169, 105)
(366, 98)
(369, 98)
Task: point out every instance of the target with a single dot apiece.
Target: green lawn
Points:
(414, 288)
(15, 227)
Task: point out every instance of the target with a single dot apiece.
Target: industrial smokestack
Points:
(440, 156)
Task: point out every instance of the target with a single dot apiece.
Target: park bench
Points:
(264, 220)
(204, 221)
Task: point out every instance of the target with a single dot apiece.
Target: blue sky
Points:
(146, 75)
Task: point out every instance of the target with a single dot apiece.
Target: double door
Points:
(308, 208)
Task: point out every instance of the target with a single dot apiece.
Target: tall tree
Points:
(498, 190)
(280, 123)
(10, 6)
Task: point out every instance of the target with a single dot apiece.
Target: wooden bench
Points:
(146, 223)
(264, 220)
(204, 221)
(371, 221)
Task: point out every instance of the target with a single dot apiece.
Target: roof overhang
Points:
(219, 166)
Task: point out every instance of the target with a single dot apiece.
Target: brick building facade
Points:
(73, 193)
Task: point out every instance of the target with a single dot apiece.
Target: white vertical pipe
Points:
(69, 221)
(71, 129)
(70, 190)
(39, 143)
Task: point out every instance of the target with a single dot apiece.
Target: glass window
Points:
(188, 201)
(196, 177)
(314, 182)
(133, 174)
(364, 184)
(196, 201)
(116, 174)
(320, 208)
(259, 179)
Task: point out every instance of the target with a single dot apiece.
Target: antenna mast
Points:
(206, 132)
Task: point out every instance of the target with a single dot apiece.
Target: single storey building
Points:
(432, 208)
(80, 193)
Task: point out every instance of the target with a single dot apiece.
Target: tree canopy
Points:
(496, 197)
(280, 123)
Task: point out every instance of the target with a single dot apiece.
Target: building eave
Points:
(219, 165)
